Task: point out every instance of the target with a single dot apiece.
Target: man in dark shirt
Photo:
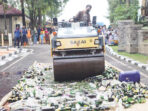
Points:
(84, 16)
(39, 31)
(24, 37)
(17, 35)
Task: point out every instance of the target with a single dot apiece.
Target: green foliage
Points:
(123, 10)
(112, 6)
(138, 57)
(55, 8)
(39, 10)
(4, 4)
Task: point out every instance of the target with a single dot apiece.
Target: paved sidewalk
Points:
(4, 52)
(9, 54)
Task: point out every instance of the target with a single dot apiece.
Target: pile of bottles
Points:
(36, 90)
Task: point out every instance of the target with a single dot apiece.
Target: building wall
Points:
(16, 20)
(8, 23)
(11, 23)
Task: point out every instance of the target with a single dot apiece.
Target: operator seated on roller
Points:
(83, 16)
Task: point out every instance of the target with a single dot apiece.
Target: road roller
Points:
(77, 51)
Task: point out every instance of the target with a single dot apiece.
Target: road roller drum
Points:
(78, 68)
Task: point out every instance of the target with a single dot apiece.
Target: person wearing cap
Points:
(83, 16)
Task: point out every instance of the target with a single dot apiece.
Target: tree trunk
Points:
(128, 2)
(32, 15)
(23, 13)
(44, 20)
(31, 20)
(5, 21)
(40, 16)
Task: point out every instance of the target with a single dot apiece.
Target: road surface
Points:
(124, 66)
(12, 71)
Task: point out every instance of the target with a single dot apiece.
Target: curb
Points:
(131, 61)
(14, 54)
(9, 55)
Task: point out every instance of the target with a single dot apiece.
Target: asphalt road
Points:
(124, 66)
(12, 71)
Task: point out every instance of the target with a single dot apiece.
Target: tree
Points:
(39, 10)
(5, 7)
(55, 8)
(23, 12)
(123, 9)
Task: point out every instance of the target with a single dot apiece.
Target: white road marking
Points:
(124, 65)
(25, 55)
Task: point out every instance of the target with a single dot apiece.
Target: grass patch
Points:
(145, 41)
(138, 57)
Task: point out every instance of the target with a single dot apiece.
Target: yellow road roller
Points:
(77, 51)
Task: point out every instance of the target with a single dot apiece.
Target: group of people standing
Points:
(26, 36)
(111, 35)
(44, 35)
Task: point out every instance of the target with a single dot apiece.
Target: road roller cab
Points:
(77, 51)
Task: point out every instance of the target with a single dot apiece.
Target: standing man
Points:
(17, 35)
(83, 15)
(39, 32)
(24, 37)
